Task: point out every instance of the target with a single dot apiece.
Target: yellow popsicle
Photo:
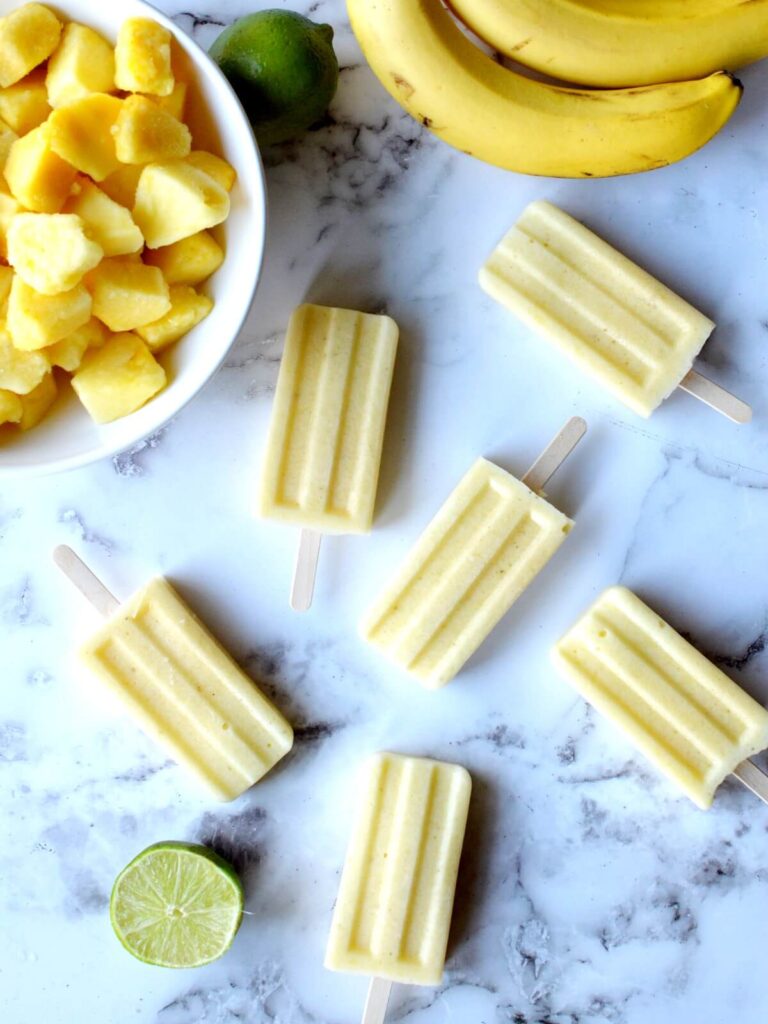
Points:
(482, 549)
(693, 722)
(321, 468)
(185, 691)
(395, 902)
(631, 333)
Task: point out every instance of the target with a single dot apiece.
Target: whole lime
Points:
(283, 68)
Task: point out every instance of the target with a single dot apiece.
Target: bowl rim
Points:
(251, 155)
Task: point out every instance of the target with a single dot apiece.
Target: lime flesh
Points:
(283, 68)
(177, 905)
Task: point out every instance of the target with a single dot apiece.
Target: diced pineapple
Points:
(6, 280)
(28, 36)
(36, 320)
(68, 353)
(189, 261)
(121, 184)
(37, 176)
(176, 103)
(51, 251)
(7, 138)
(188, 308)
(84, 63)
(20, 372)
(143, 58)
(10, 407)
(9, 207)
(24, 106)
(118, 379)
(144, 133)
(82, 134)
(218, 169)
(128, 294)
(36, 404)
(106, 221)
(175, 200)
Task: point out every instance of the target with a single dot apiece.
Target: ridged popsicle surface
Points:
(483, 548)
(395, 902)
(321, 467)
(692, 721)
(183, 689)
(631, 333)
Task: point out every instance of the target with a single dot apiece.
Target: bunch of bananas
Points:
(649, 111)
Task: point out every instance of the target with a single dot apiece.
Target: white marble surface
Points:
(590, 891)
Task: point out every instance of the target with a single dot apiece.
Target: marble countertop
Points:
(590, 893)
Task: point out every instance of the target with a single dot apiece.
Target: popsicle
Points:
(693, 722)
(632, 334)
(180, 685)
(482, 549)
(321, 468)
(395, 902)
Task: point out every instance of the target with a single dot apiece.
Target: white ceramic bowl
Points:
(67, 437)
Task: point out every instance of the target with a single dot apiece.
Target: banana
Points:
(615, 42)
(436, 73)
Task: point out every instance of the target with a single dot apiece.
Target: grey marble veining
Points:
(590, 892)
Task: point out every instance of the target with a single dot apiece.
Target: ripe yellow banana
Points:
(436, 73)
(616, 42)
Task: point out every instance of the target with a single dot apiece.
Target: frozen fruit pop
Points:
(180, 685)
(395, 901)
(693, 722)
(482, 549)
(321, 468)
(631, 333)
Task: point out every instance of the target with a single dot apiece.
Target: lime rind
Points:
(177, 905)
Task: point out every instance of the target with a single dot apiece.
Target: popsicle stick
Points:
(753, 778)
(78, 573)
(717, 398)
(376, 1004)
(555, 454)
(303, 587)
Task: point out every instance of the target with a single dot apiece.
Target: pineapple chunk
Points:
(37, 176)
(68, 353)
(7, 138)
(121, 184)
(36, 404)
(35, 320)
(145, 133)
(190, 261)
(82, 134)
(6, 280)
(20, 372)
(143, 58)
(10, 407)
(188, 308)
(218, 169)
(28, 36)
(174, 201)
(51, 251)
(118, 379)
(24, 106)
(84, 63)
(128, 294)
(107, 223)
(9, 207)
(176, 103)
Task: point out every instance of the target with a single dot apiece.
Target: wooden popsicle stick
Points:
(717, 398)
(305, 571)
(78, 573)
(376, 1003)
(753, 778)
(555, 454)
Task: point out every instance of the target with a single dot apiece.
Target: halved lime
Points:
(177, 905)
